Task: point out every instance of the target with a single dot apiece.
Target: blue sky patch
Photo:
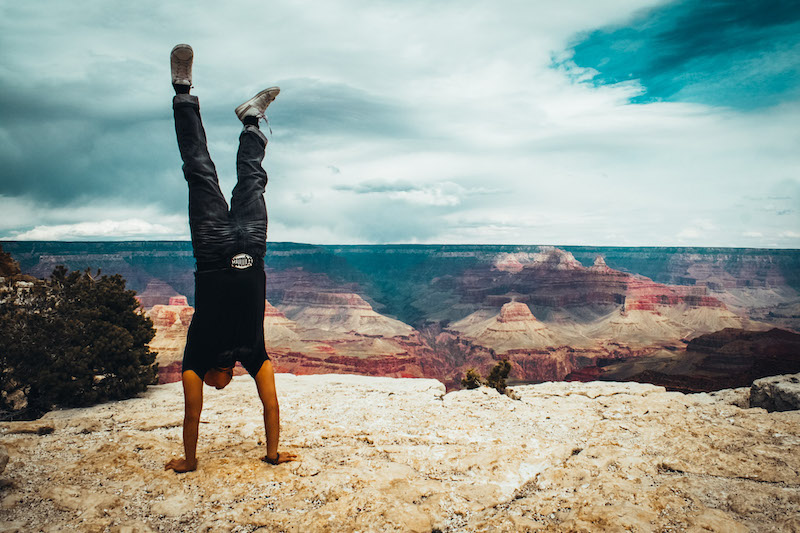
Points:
(725, 53)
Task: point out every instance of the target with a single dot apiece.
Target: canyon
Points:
(436, 311)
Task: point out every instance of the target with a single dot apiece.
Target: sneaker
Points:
(181, 62)
(256, 106)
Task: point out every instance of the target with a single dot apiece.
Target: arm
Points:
(265, 382)
(193, 398)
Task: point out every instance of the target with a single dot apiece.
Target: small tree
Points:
(472, 380)
(8, 267)
(72, 341)
(497, 377)
(498, 374)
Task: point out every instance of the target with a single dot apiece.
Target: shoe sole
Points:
(241, 109)
(182, 53)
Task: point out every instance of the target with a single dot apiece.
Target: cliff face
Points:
(172, 324)
(725, 359)
(383, 455)
(157, 292)
(437, 310)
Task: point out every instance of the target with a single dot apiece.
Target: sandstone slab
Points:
(383, 454)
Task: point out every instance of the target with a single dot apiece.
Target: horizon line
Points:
(187, 241)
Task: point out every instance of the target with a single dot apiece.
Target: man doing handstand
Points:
(229, 247)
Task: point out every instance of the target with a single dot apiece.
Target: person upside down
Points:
(229, 247)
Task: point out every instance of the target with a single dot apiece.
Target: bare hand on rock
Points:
(283, 457)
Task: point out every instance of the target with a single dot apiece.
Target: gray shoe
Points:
(257, 105)
(181, 62)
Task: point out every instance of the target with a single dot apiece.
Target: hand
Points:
(283, 457)
(181, 465)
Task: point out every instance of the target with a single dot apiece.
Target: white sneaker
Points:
(181, 62)
(256, 106)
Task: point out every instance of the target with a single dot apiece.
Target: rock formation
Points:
(724, 359)
(514, 327)
(278, 330)
(172, 324)
(3, 458)
(382, 455)
(339, 311)
(776, 393)
(368, 309)
(157, 292)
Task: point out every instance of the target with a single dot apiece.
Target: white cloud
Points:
(461, 101)
(102, 230)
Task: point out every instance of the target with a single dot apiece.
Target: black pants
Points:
(217, 232)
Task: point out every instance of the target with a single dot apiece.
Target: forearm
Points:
(272, 428)
(191, 427)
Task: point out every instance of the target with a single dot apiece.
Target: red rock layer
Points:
(516, 312)
(645, 294)
(165, 316)
(272, 311)
(402, 366)
(327, 299)
(178, 300)
(556, 280)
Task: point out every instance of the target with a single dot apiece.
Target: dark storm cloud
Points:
(97, 136)
(721, 52)
(315, 107)
(94, 143)
(57, 162)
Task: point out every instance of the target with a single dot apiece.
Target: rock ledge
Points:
(383, 454)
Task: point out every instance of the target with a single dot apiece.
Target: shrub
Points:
(472, 380)
(497, 377)
(73, 340)
(498, 374)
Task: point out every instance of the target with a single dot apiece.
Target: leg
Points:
(212, 234)
(248, 211)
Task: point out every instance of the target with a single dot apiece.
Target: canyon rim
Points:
(435, 311)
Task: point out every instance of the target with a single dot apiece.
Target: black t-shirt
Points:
(228, 323)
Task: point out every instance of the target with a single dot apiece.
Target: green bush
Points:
(497, 377)
(73, 340)
(472, 380)
(498, 374)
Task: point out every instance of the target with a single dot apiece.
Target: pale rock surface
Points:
(635, 327)
(3, 458)
(740, 397)
(513, 328)
(277, 328)
(776, 393)
(171, 323)
(340, 312)
(382, 454)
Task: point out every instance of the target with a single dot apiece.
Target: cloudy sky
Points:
(610, 122)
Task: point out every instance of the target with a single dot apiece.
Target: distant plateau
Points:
(690, 319)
